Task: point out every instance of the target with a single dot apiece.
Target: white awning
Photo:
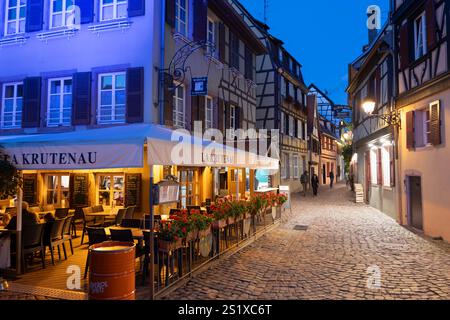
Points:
(122, 147)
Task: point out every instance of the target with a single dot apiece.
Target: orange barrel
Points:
(112, 271)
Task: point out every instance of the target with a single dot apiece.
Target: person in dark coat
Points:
(304, 182)
(331, 179)
(315, 183)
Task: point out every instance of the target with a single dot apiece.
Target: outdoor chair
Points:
(11, 210)
(97, 209)
(95, 235)
(131, 223)
(55, 237)
(126, 235)
(61, 213)
(87, 222)
(120, 216)
(129, 213)
(67, 235)
(32, 242)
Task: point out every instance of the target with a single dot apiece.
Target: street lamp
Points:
(392, 118)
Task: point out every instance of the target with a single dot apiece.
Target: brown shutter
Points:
(227, 116)
(379, 168)
(435, 124)
(168, 100)
(431, 24)
(202, 111)
(392, 165)
(81, 98)
(194, 108)
(410, 128)
(31, 108)
(170, 12)
(404, 46)
(378, 86)
(135, 95)
(222, 44)
(220, 115)
(200, 19)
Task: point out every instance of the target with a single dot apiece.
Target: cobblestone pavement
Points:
(344, 248)
(21, 296)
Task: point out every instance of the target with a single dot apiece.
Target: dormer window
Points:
(420, 40)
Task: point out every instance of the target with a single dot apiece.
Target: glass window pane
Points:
(9, 105)
(55, 87)
(68, 86)
(65, 181)
(9, 91)
(120, 97)
(108, 13)
(118, 183)
(107, 1)
(67, 101)
(11, 27)
(119, 198)
(12, 3)
(57, 5)
(104, 183)
(106, 82)
(54, 102)
(106, 98)
(121, 10)
(120, 81)
(12, 14)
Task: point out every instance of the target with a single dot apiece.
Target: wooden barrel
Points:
(112, 271)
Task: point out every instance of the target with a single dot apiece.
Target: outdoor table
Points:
(111, 213)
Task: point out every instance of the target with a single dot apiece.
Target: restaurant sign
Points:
(75, 157)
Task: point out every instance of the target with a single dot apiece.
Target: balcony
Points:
(110, 26)
(55, 34)
(13, 40)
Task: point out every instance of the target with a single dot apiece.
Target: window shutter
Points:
(202, 111)
(404, 46)
(35, 16)
(31, 107)
(135, 95)
(248, 63)
(136, 8)
(81, 111)
(368, 168)
(222, 44)
(86, 10)
(170, 13)
(168, 100)
(379, 168)
(200, 19)
(392, 165)
(220, 115)
(410, 138)
(378, 86)
(435, 123)
(431, 24)
(240, 118)
(227, 116)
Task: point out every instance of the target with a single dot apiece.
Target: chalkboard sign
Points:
(79, 190)
(133, 190)
(30, 189)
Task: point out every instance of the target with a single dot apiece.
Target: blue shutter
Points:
(31, 106)
(135, 95)
(86, 10)
(136, 8)
(81, 94)
(34, 20)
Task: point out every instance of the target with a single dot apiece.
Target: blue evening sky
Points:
(324, 36)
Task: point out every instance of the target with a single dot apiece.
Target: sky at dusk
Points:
(324, 36)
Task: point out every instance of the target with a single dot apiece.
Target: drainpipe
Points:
(161, 74)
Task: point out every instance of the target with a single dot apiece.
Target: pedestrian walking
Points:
(304, 182)
(315, 183)
(331, 179)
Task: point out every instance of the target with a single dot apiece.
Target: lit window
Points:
(211, 36)
(112, 98)
(208, 113)
(12, 105)
(374, 166)
(60, 10)
(181, 16)
(420, 40)
(15, 16)
(58, 188)
(59, 109)
(233, 117)
(386, 164)
(111, 190)
(422, 127)
(179, 107)
(112, 9)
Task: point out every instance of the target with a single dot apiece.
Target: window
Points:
(179, 107)
(283, 87)
(189, 187)
(59, 109)
(283, 122)
(181, 17)
(300, 129)
(208, 113)
(291, 126)
(423, 128)
(15, 16)
(420, 41)
(111, 190)
(295, 164)
(386, 165)
(233, 117)
(112, 9)
(12, 106)
(374, 166)
(112, 100)
(58, 189)
(383, 83)
(59, 12)
(287, 158)
(211, 36)
(234, 50)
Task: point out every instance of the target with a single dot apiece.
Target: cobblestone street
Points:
(335, 258)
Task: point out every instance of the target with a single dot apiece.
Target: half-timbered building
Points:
(423, 77)
(371, 77)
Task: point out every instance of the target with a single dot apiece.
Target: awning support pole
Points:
(237, 183)
(19, 229)
(152, 239)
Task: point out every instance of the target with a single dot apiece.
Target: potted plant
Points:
(183, 222)
(237, 210)
(277, 201)
(220, 214)
(171, 236)
(202, 223)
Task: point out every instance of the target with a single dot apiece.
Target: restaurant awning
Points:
(123, 147)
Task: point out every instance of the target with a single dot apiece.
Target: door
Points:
(415, 202)
(324, 174)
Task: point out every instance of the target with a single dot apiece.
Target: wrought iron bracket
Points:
(392, 119)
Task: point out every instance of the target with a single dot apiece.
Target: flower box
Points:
(231, 220)
(204, 233)
(220, 224)
(192, 236)
(170, 245)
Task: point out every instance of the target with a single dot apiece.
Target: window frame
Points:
(64, 12)
(111, 191)
(14, 112)
(178, 19)
(114, 4)
(233, 117)
(423, 27)
(113, 97)
(209, 115)
(59, 190)
(296, 166)
(17, 20)
(61, 95)
(176, 104)
(211, 36)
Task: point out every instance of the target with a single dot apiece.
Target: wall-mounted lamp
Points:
(392, 119)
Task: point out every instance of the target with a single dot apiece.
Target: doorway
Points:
(415, 203)
(324, 174)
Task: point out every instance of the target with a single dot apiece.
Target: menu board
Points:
(80, 190)
(133, 190)
(30, 189)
